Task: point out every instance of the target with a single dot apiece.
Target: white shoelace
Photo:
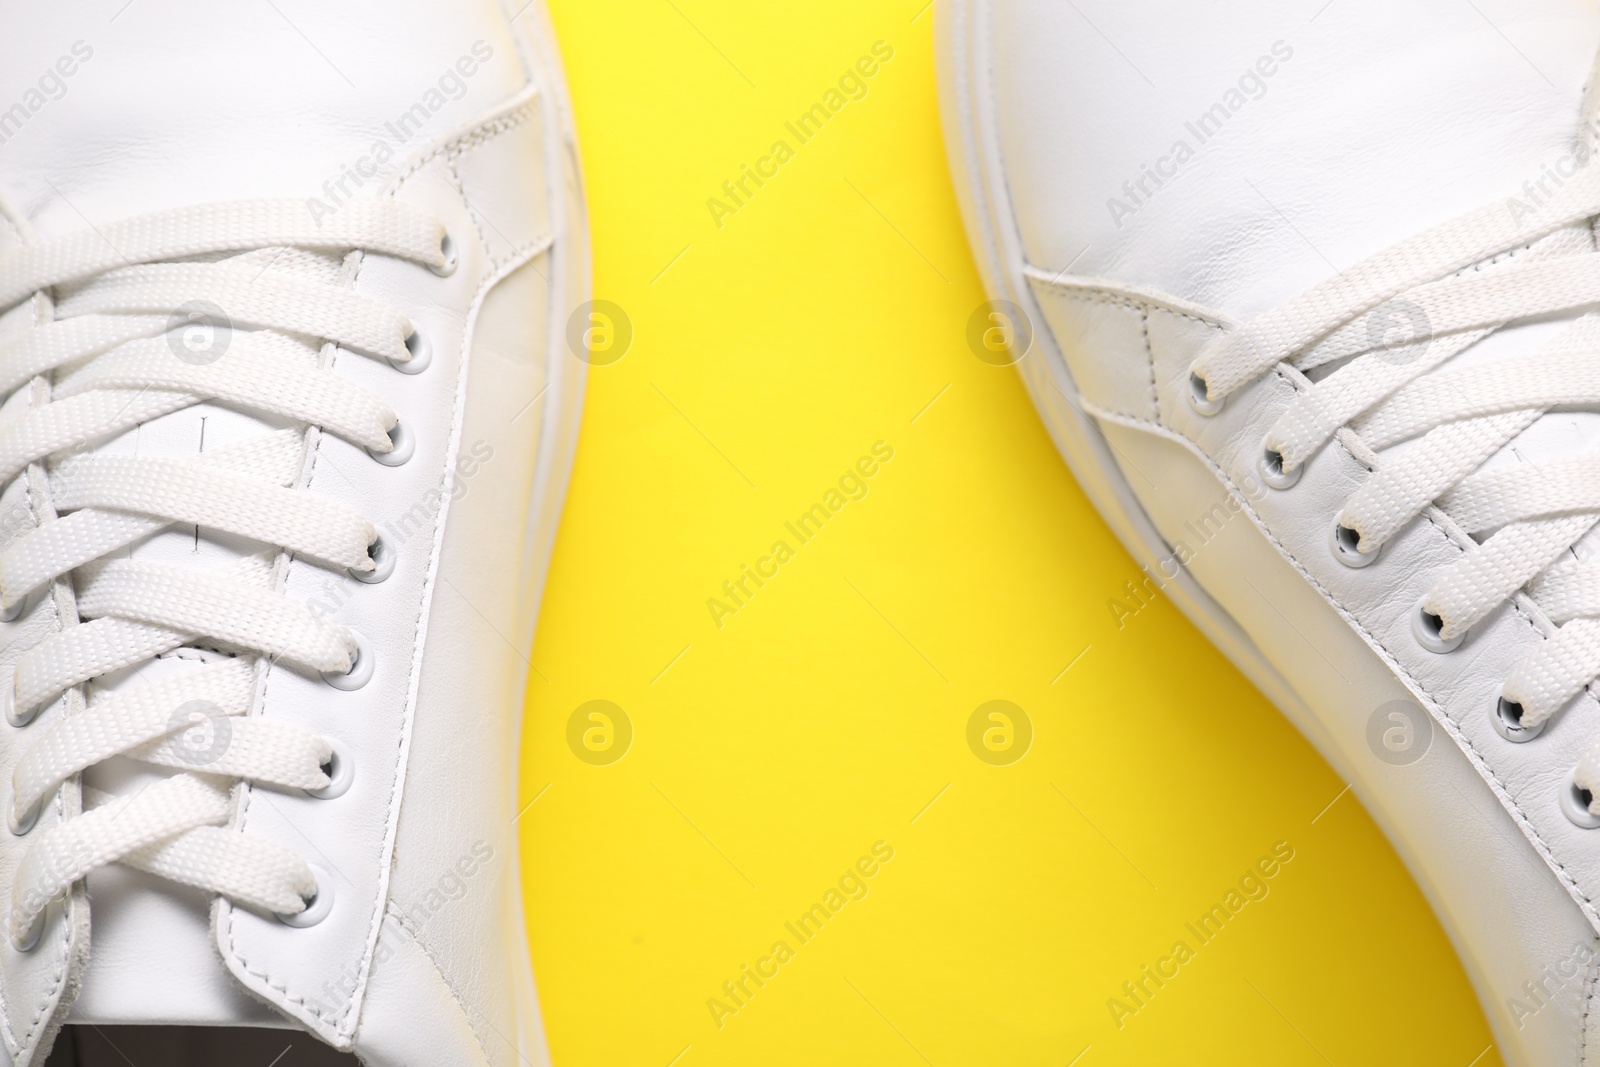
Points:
(1458, 282)
(100, 361)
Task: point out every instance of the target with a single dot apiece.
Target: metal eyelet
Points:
(1346, 550)
(1198, 399)
(1575, 802)
(1270, 466)
(8, 705)
(1426, 627)
(447, 249)
(421, 350)
(341, 771)
(360, 672)
(404, 446)
(317, 907)
(383, 560)
(1506, 715)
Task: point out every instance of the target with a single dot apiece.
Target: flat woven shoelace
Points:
(1462, 280)
(99, 360)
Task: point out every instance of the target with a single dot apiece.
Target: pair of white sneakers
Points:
(292, 341)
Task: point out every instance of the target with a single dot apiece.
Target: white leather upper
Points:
(423, 957)
(1385, 119)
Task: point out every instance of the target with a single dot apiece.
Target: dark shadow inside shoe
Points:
(87, 1045)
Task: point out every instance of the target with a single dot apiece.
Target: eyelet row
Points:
(340, 768)
(1345, 543)
(1426, 627)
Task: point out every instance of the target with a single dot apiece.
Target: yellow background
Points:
(831, 711)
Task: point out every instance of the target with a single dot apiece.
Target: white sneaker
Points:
(265, 646)
(1265, 258)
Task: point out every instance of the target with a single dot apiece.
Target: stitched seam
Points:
(402, 742)
(396, 789)
(1192, 318)
(1452, 727)
(266, 980)
(452, 166)
(1151, 348)
(453, 158)
(311, 456)
(348, 1018)
(488, 282)
(1144, 330)
(492, 128)
(1149, 362)
(1100, 294)
(1588, 1001)
(396, 794)
(461, 1002)
(40, 1019)
(1092, 295)
(491, 278)
(344, 1022)
(49, 994)
(1501, 789)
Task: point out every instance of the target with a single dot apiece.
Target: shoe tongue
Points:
(138, 917)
